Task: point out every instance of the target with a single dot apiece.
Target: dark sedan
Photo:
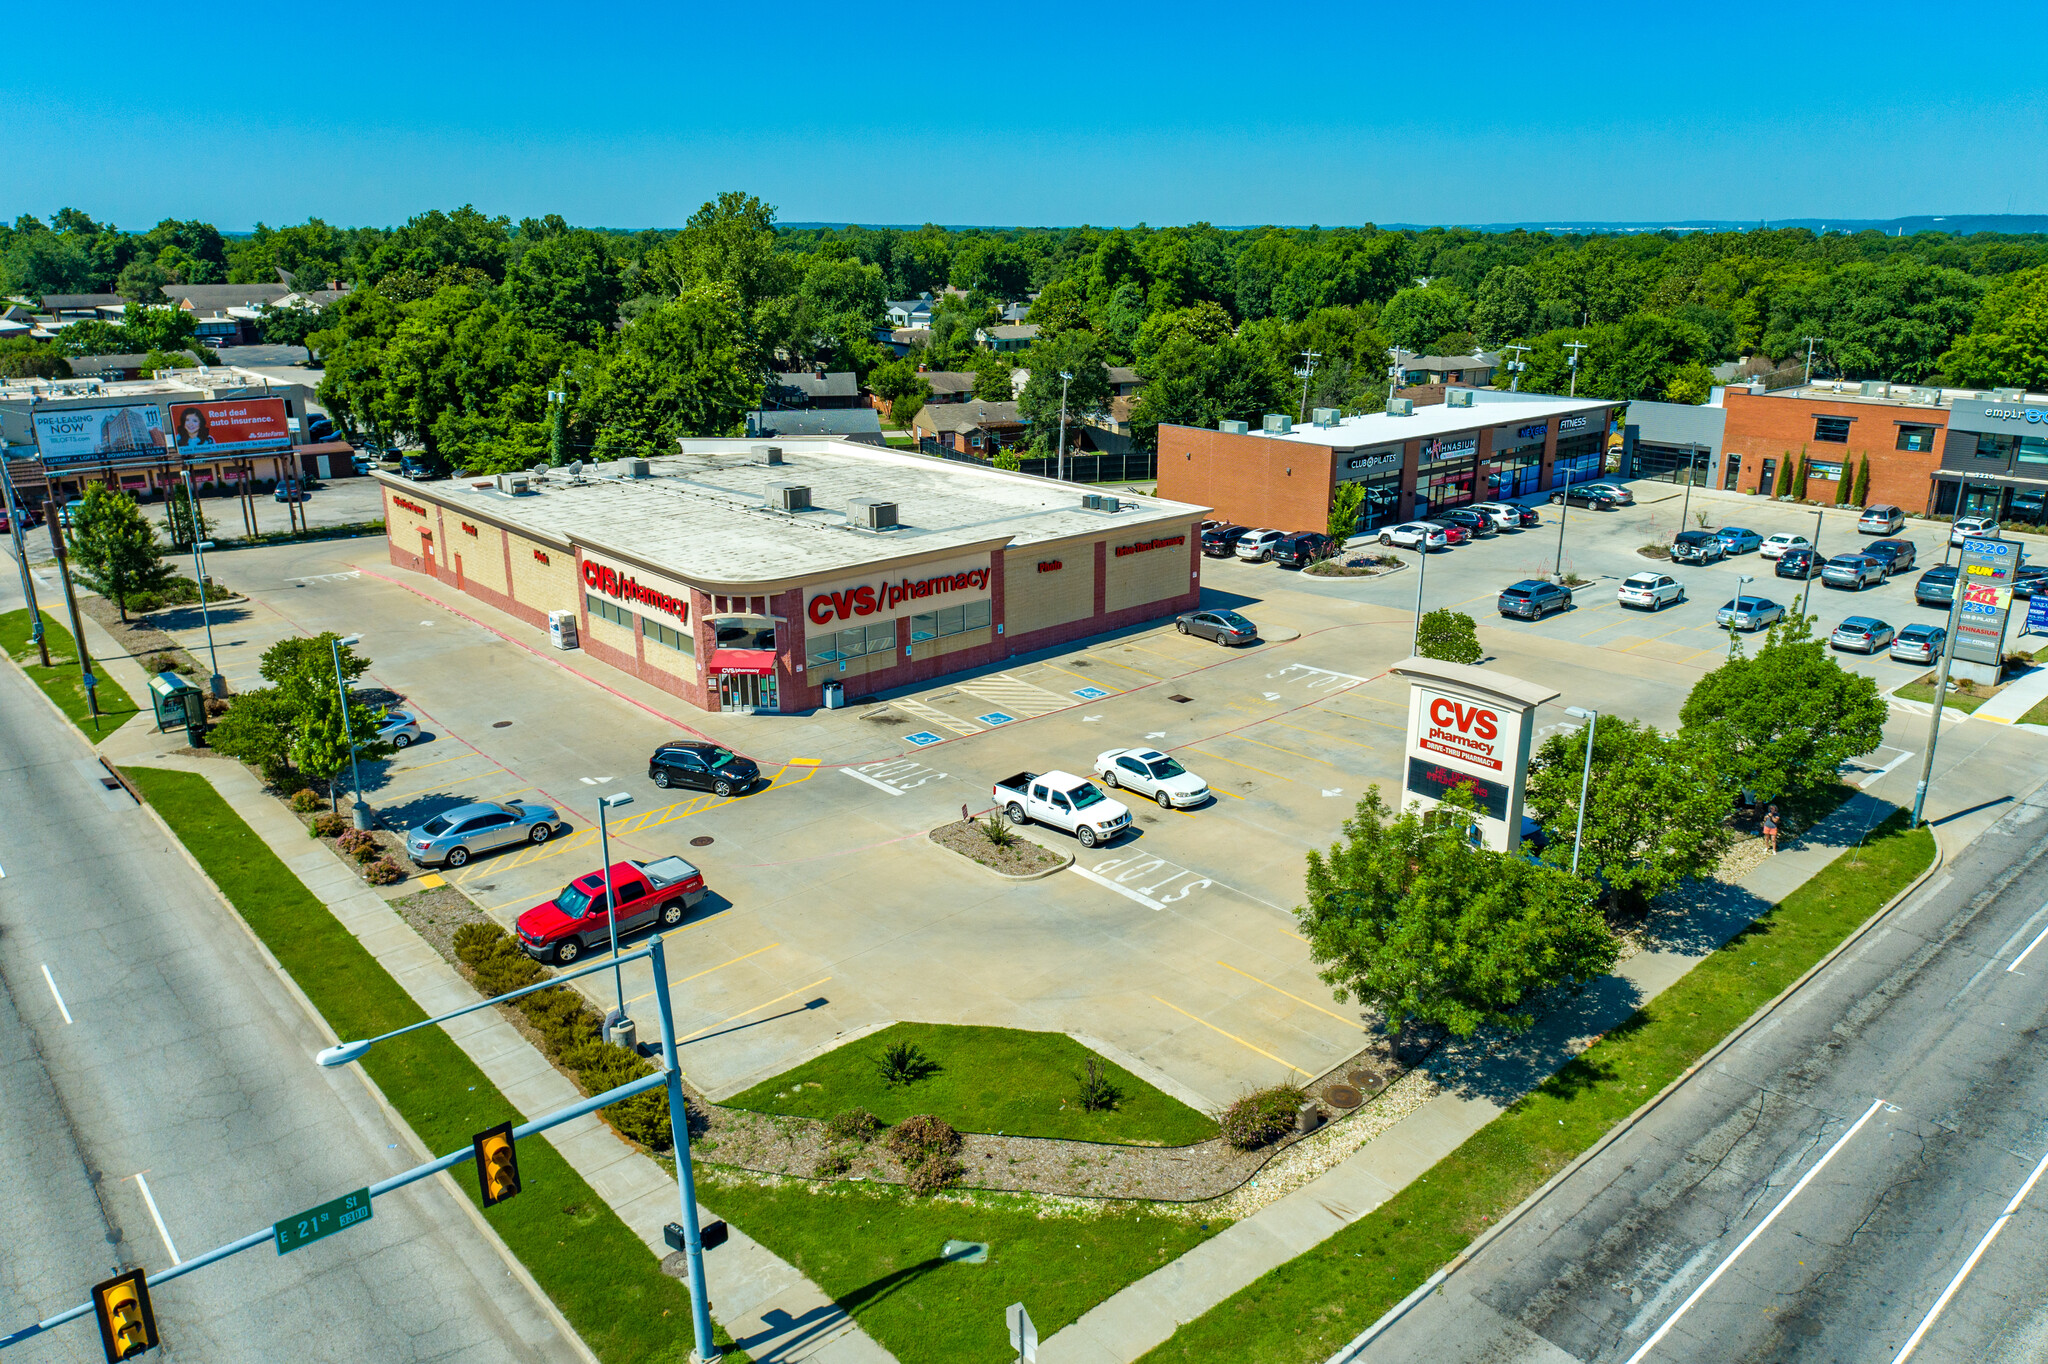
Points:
(1896, 555)
(1478, 524)
(1301, 549)
(704, 766)
(1220, 542)
(1584, 497)
(1798, 563)
(1937, 586)
(1225, 627)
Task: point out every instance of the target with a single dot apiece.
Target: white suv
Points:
(1257, 544)
(1650, 590)
(1979, 527)
(1880, 520)
(1776, 545)
(1505, 515)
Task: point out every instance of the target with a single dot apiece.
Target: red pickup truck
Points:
(564, 928)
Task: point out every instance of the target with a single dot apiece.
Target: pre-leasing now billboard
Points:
(232, 426)
(92, 435)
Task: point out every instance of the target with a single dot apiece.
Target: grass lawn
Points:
(876, 1250)
(2037, 716)
(1924, 692)
(598, 1273)
(60, 681)
(1309, 1306)
(988, 1080)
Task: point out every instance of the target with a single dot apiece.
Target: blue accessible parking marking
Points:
(995, 717)
(1090, 693)
(922, 737)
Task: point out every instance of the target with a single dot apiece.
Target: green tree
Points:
(185, 520)
(1346, 500)
(114, 548)
(1191, 384)
(1785, 720)
(1414, 318)
(21, 358)
(1061, 306)
(1410, 920)
(1656, 805)
(683, 368)
(1505, 307)
(2008, 339)
(897, 380)
(258, 730)
(994, 379)
(567, 284)
(1784, 488)
(142, 281)
(306, 703)
(1861, 497)
(293, 325)
(1844, 482)
(1205, 324)
(1449, 637)
(1080, 354)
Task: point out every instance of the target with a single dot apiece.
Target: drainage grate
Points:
(701, 841)
(1182, 699)
(500, 724)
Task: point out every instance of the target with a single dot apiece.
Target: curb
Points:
(1003, 875)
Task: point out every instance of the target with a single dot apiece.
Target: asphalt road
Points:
(158, 1089)
(1816, 1191)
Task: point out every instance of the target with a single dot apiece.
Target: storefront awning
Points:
(760, 661)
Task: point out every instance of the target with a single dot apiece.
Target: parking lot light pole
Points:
(1564, 509)
(686, 1175)
(611, 908)
(1592, 719)
(1421, 576)
(1813, 568)
(362, 811)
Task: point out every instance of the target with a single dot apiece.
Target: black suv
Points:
(1799, 563)
(1478, 523)
(704, 766)
(1220, 542)
(1896, 555)
(1533, 599)
(1698, 547)
(418, 468)
(1300, 549)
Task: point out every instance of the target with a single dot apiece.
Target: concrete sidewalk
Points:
(773, 1312)
(2017, 698)
(1477, 1086)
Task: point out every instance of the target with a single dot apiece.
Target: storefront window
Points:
(2027, 505)
(1979, 500)
(2033, 450)
(1578, 459)
(604, 610)
(953, 620)
(1916, 438)
(656, 633)
(1382, 504)
(1514, 473)
(1443, 489)
(1834, 430)
(856, 642)
(1995, 445)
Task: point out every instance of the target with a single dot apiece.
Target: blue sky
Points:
(1051, 114)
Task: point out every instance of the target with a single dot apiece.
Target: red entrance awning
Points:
(760, 661)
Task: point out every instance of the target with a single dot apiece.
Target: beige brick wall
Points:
(483, 554)
(947, 644)
(616, 636)
(403, 527)
(545, 587)
(671, 661)
(1034, 600)
(1151, 575)
(855, 667)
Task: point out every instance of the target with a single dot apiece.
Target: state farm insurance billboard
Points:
(232, 426)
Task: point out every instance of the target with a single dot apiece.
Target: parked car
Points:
(1220, 542)
(1975, 527)
(319, 428)
(1880, 520)
(1225, 627)
(1737, 540)
(1413, 534)
(1919, 644)
(1652, 590)
(1533, 599)
(1896, 555)
(452, 837)
(418, 468)
(30, 519)
(362, 462)
(574, 922)
(1477, 523)
(1775, 546)
(1798, 563)
(1749, 613)
(707, 767)
(1864, 634)
(2028, 580)
(399, 729)
(1062, 800)
(1507, 515)
(1301, 549)
(1697, 547)
(1854, 571)
(68, 513)
(1151, 773)
(1618, 491)
(1584, 495)
(1254, 545)
(1937, 586)
(291, 492)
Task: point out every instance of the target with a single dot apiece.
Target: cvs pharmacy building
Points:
(753, 577)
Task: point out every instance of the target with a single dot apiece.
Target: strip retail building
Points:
(748, 577)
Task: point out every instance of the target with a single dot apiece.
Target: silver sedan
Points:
(398, 729)
(454, 836)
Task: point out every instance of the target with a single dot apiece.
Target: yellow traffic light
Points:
(127, 1323)
(497, 1163)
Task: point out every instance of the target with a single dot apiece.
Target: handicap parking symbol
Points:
(922, 737)
(995, 717)
(1090, 693)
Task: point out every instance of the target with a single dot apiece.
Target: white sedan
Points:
(1776, 545)
(1650, 591)
(1412, 534)
(1148, 772)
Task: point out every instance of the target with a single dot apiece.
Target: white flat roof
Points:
(710, 515)
(1378, 428)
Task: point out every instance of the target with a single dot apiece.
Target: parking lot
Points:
(830, 912)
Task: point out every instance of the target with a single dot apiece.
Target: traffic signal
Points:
(497, 1163)
(127, 1324)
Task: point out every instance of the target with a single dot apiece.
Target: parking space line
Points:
(1234, 762)
(157, 1217)
(421, 767)
(1234, 1037)
(1290, 752)
(389, 799)
(1076, 676)
(1128, 667)
(54, 995)
(756, 1009)
(708, 970)
(1348, 1022)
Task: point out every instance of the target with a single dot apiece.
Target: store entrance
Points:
(747, 693)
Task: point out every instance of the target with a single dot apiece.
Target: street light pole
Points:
(1810, 340)
(362, 811)
(1592, 719)
(1066, 378)
(1692, 464)
(28, 587)
(1421, 577)
(1564, 510)
(686, 1175)
(1574, 347)
(215, 684)
(1813, 568)
(1948, 652)
(611, 908)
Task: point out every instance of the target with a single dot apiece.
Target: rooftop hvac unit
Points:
(1278, 424)
(791, 497)
(2008, 395)
(1233, 428)
(1873, 388)
(634, 468)
(1400, 407)
(1327, 416)
(1456, 397)
(515, 485)
(768, 454)
(871, 514)
(1101, 502)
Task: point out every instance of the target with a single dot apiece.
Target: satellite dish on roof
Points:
(575, 468)
(540, 470)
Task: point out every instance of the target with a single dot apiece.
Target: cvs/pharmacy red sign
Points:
(1469, 731)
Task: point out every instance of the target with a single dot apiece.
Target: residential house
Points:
(1004, 339)
(974, 428)
(1014, 313)
(225, 314)
(909, 312)
(63, 308)
(903, 340)
(1475, 371)
(860, 424)
(948, 385)
(815, 389)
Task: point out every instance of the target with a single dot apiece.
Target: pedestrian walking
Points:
(1771, 830)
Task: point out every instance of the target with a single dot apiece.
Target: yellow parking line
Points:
(1288, 751)
(1348, 1022)
(1233, 1037)
(1235, 763)
(1294, 935)
(708, 970)
(1128, 667)
(756, 1009)
(1654, 638)
(1078, 678)
(388, 799)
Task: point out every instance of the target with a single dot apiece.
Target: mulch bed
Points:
(1022, 857)
(1350, 566)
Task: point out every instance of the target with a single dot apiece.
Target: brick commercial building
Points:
(1489, 446)
(748, 577)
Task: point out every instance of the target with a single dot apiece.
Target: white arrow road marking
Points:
(1090, 719)
(1157, 734)
(1334, 791)
(594, 781)
(1272, 696)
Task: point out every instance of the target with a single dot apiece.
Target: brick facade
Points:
(1248, 479)
(1781, 428)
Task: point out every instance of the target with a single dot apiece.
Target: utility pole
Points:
(28, 587)
(1515, 366)
(558, 423)
(1308, 367)
(1810, 342)
(1393, 372)
(1574, 347)
(53, 513)
(1066, 378)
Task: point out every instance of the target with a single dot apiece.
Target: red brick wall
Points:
(1762, 427)
(1247, 478)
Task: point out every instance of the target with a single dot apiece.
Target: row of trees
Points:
(296, 723)
(1405, 916)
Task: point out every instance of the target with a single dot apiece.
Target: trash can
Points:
(835, 695)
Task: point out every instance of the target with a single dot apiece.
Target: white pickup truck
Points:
(1063, 801)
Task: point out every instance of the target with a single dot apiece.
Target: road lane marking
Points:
(1920, 1332)
(54, 995)
(1233, 1037)
(1218, 757)
(2030, 948)
(708, 970)
(1348, 1022)
(1759, 1230)
(1995, 957)
(158, 1218)
(756, 1009)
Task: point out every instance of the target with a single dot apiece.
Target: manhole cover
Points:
(500, 724)
(701, 841)
(1183, 700)
(1367, 1081)
(1343, 1096)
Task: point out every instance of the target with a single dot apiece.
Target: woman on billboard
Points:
(192, 432)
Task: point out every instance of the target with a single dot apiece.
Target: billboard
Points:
(232, 426)
(1988, 569)
(94, 435)
(1469, 731)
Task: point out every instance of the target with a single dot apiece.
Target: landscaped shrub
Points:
(606, 1065)
(329, 824)
(904, 1063)
(1097, 1093)
(306, 800)
(158, 663)
(384, 872)
(920, 1136)
(932, 1174)
(360, 844)
(472, 940)
(832, 1164)
(1261, 1116)
(506, 968)
(855, 1124)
